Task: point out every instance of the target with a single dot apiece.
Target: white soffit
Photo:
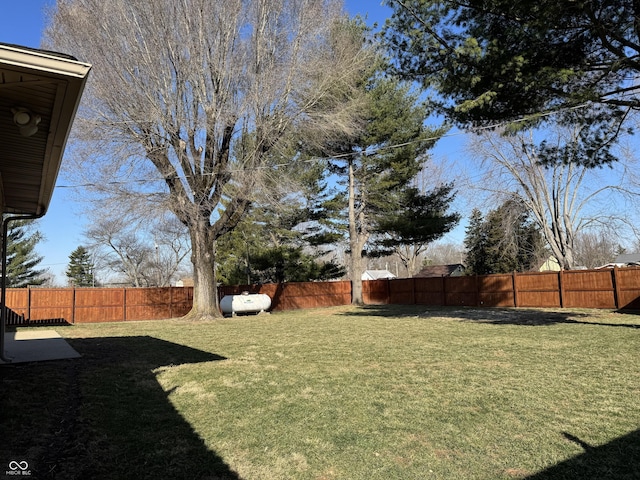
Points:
(50, 86)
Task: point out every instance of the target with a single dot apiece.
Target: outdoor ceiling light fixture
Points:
(26, 121)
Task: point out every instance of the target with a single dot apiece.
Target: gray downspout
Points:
(3, 284)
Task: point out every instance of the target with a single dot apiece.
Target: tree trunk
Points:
(412, 260)
(205, 291)
(356, 244)
(355, 274)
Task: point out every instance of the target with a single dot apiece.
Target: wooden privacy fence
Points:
(87, 305)
(617, 288)
(38, 306)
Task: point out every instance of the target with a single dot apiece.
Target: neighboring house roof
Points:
(627, 258)
(452, 270)
(618, 265)
(39, 95)
(377, 274)
(624, 260)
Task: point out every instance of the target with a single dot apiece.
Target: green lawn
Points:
(342, 393)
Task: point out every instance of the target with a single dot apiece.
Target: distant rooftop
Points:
(377, 274)
(627, 258)
(454, 269)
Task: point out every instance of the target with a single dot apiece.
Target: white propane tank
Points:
(245, 303)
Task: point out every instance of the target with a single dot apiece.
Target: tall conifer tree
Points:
(80, 269)
(22, 258)
(503, 242)
(379, 163)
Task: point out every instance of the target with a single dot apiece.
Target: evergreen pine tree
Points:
(22, 258)
(506, 241)
(80, 269)
(278, 243)
(419, 218)
(374, 178)
(475, 242)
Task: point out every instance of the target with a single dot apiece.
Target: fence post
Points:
(124, 304)
(514, 275)
(28, 303)
(170, 302)
(561, 288)
(616, 293)
(73, 306)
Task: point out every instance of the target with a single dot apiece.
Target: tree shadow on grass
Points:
(103, 416)
(616, 460)
(491, 315)
(536, 317)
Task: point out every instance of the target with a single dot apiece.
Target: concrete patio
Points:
(36, 345)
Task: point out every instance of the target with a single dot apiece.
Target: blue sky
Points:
(21, 23)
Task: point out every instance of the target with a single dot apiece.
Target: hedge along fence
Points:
(617, 288)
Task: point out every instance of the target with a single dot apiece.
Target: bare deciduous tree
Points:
(563, 196)
(146, 253)
(596, 248)
(120, 250)
(202, 99)
(444, 253)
